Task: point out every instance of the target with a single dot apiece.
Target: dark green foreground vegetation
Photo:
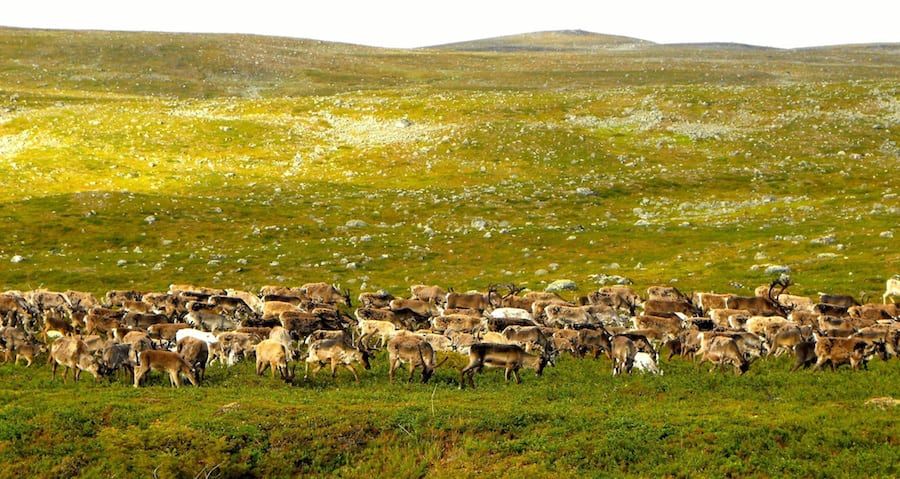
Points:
(575, 421)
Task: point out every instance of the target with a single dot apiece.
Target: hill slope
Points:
(549, 41)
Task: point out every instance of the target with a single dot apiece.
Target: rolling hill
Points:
(137, 160)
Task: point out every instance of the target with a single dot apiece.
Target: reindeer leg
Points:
(355, 376)
(333, 367)
(516, 375)
(506, 374)
(53, 370)
(273, 366)
(412, 370)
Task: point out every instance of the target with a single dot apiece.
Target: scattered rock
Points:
(774, 269)
(17, 259)
(606, 279)
(561, 285)
(150, 220)
(541, 272)
(356, 224)
(583, 191)
(883, 402)
(121, 263)
(479, 224)
(830, 239)
(886, 234)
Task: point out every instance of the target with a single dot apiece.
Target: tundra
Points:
(165, 361)
(507, 356)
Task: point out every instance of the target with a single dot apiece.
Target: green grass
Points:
(253, 153)
(574, 421)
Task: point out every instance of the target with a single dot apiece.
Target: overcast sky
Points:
(401, 23)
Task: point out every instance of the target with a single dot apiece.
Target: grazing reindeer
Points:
(476, 301)
(337, 352)
(507, 356)
(274, 354)
(430, 294)
(167, 361)
(415, 351)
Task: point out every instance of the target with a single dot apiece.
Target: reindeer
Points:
(430, 294)
(326, 293)
(507, 356)
(166, 361)
(762, 306)
(476, 301)
(891, 288)
(337, 352)
(415, 351)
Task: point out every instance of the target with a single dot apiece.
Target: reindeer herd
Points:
(184, 330)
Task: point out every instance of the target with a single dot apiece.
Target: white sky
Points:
(403, 23)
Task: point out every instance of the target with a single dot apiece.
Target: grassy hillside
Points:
(466, 167)
(143, 159)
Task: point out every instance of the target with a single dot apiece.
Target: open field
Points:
(575, 421)
(141, 159)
